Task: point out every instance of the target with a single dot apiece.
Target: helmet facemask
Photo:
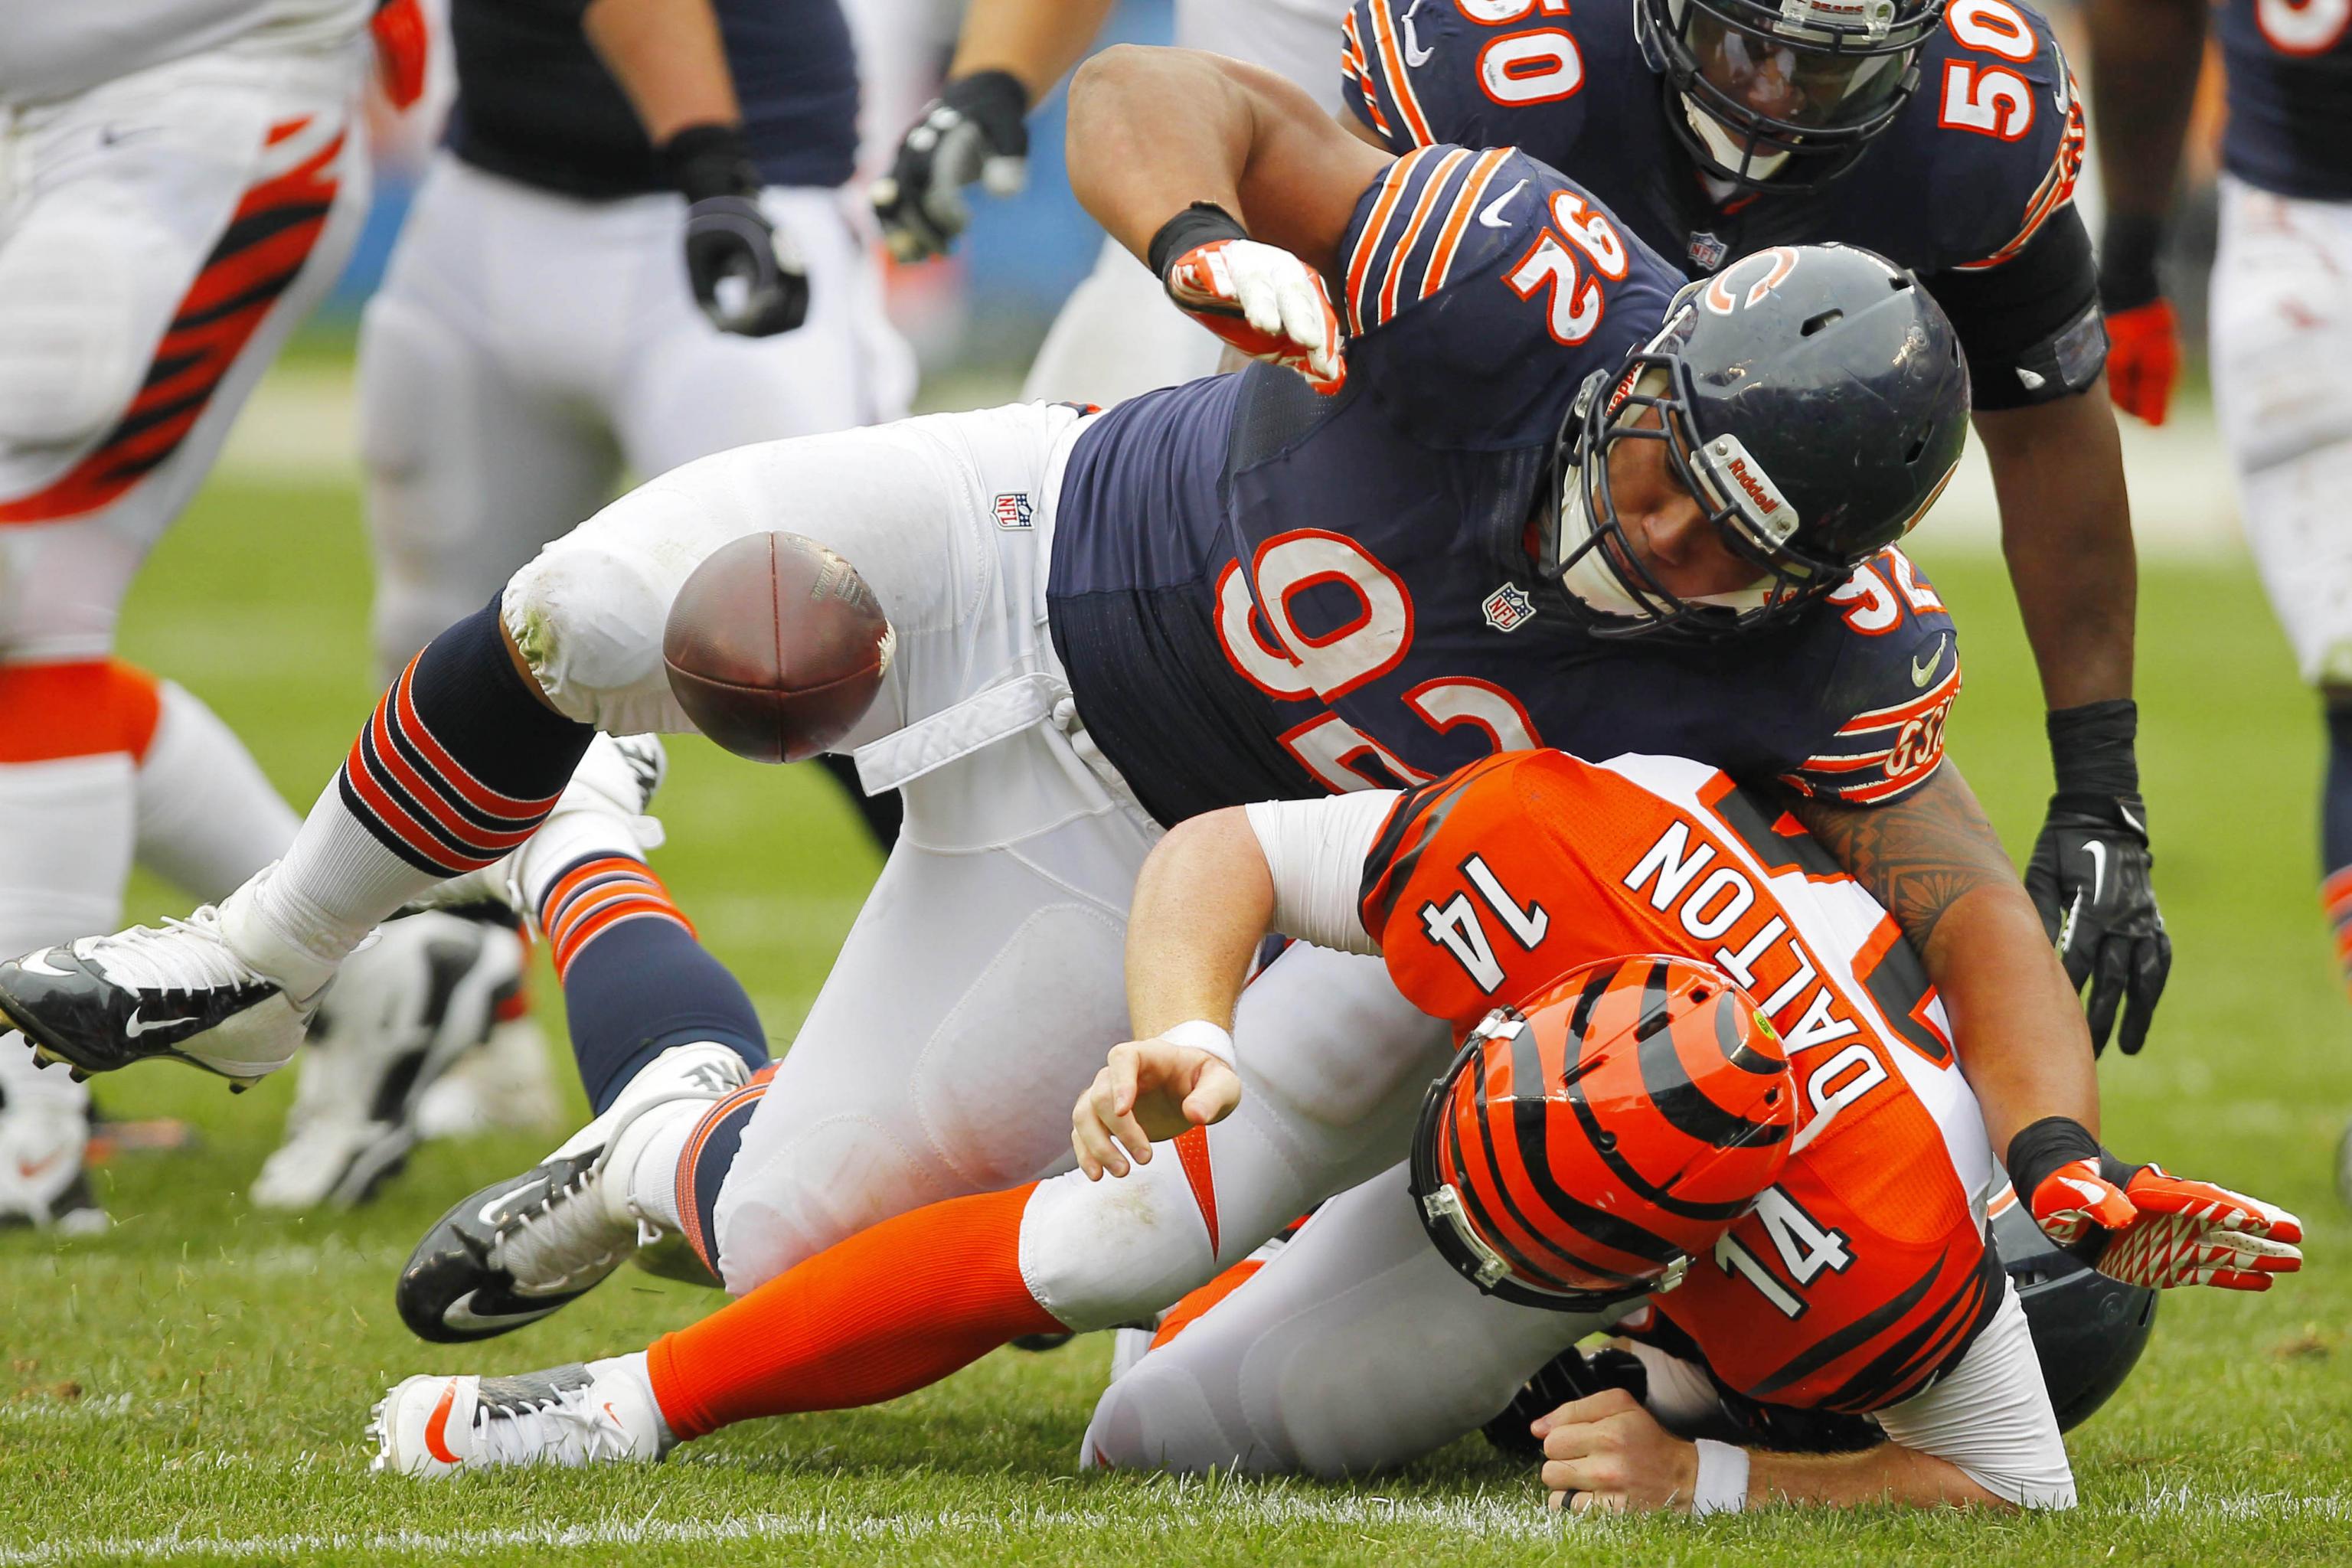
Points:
(1785, 97)
(1587, 550)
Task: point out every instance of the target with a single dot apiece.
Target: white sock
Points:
(565, 839)
(336, 884)
(65, 848)
(208, 817)
(648, 1152)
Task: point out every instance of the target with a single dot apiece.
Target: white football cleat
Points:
(188, 992)
(44, 1143)
(600, 1413)
(515, 1251)
(401, 1012)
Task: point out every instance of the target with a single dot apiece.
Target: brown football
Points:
(776, 646)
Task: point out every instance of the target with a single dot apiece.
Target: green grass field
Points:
(193, 1387)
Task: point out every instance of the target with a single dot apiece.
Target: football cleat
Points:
(181, 993)
(514, 1252)
(600, 1413)
(403, 1010)
(44, 1147)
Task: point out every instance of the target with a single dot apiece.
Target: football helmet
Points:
(1584, 1146)
(1814, 400)
(1785, 96)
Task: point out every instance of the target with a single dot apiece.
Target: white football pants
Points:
(2282, 358)
(527, 347)
(983, 984)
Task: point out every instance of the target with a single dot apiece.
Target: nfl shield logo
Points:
(1508, 608)
(1706, 252)
(1013, 509)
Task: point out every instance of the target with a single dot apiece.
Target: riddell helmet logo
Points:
(1767, 511)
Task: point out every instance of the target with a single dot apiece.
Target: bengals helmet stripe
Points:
(1582, 1149)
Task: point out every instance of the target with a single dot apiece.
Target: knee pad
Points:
(1158, 1418)
(1098, 1253)
(70, 358)
(588, 613)
(784, 1202)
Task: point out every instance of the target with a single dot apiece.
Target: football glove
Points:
(2144, 359)
(2143, 336)
(1259, 297)
(972, 130)
(2090, 874)
(2157, 1231)
(746, 275)
(401, 50)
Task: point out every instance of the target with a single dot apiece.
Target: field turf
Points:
(193, 1387)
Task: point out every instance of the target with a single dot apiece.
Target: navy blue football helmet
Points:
(1812, 398)
(1783, 96)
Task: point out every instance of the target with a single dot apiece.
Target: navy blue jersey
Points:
(1978, 161)
(535, 104)
(2290, 89)
(1260, 592)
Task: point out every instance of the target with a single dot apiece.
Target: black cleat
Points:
(455, 1288)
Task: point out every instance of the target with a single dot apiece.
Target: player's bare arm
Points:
(671, 62)
(1933, 860)
(1607, 1452)
(1250, 142)
(2144, 57)
(1201, 903)
(1034, 41)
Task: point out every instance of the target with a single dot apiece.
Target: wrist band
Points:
(1195, 225)
(1202, 1036)
(711, 160)
(2091, 747)
(2041, 1148)
(1722, 1485)
(2127, 251)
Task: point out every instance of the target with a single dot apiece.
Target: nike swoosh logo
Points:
(1921, 673)
(2098, 854)
(494, 1212)
(27, 1170)
(1414, 55)
(460, 1314)
(133, 1028)
(436, 1429)
(1491, 215)
(2137, 824)
(38, 963)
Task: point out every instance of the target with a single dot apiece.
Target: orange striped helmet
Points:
(1585, 1145)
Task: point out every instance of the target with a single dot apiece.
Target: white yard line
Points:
(1491, 1518)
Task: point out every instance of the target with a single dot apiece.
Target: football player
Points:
(1545, 498)
(1620, 1140)
(1572, 1161)
(179, 184)
(1947, 135)
(2281, 315)
(1117, 334)
(632, 251)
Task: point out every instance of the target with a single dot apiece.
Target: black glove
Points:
(748, 278)
(2090, 873)
(972, 130)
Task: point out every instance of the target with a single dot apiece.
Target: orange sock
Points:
(893, 1308)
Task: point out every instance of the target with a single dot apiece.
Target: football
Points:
(775, 647)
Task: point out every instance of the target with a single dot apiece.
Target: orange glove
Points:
(1265, 302)
(2163, 1231)
(2144, 358)
(400, 49)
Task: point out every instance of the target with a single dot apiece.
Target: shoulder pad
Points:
(1995, 130)
(1882, 713)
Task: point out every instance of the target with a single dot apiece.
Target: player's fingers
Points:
(2151, 966)
(1214, 1094)
(1591, 1408)
(2111, 967)
(1120, 1077)
(1097, 1154)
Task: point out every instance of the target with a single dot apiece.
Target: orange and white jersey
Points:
(53, 48)
(1863, 1274)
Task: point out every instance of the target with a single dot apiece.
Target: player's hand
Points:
(1265, 302)
(2090, 879)
(2144, 359)
(747, 276)
(2161, 1231)
(1605, 1451)
(973, 130)
(401, 50)
(1150, 1090)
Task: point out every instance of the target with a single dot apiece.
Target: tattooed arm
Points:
(1933, 860)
